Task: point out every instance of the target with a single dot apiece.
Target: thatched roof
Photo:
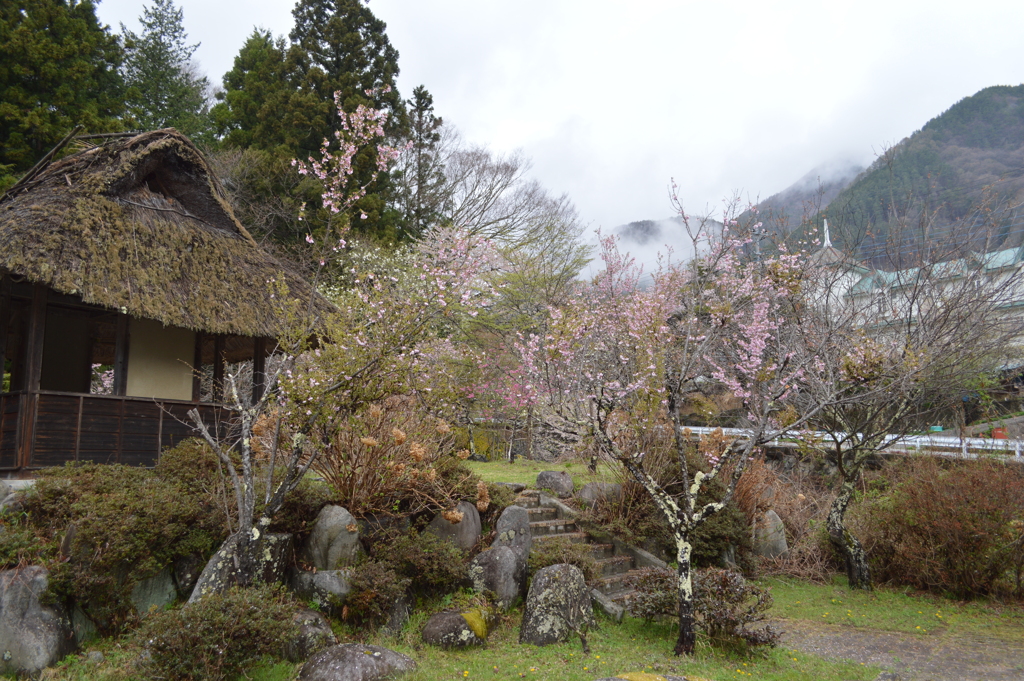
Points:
(140, 224)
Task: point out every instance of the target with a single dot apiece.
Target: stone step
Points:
(542, 513)
(603, 550)
(613, 584)
(574, 537)
(615, 565)
(556, 526)
(623, 598)
(528, 499)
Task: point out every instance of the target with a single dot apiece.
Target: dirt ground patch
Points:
(926, 657)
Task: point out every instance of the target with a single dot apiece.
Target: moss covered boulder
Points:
(557, 606)
(453, 629)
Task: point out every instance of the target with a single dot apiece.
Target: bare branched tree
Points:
(906, 345)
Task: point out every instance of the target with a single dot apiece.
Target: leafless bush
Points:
(392, 458)
(802, 501)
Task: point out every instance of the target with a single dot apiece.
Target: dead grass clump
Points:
(802, 501)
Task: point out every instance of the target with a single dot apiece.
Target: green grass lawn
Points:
(525, 471)
(894, 610)
(614, 649)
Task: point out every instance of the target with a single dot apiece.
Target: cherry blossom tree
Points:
(359, 340)
(720, 319)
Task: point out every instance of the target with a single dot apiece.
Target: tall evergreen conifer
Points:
(340, 46)
(164, 87)
(261, 106)
(58, 68)
(422, 180)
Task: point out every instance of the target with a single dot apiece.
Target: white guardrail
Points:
(936, 445)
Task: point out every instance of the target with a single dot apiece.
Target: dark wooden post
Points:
(5, 322)
(218, 368)
(121, 355)
(259, 368)
(197, 368)
(33, 372)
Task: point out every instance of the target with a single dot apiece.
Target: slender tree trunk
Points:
(856, 559)
(687, 633)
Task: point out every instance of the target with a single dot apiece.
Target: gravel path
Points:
(913, 657)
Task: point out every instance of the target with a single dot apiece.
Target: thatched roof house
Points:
(125, 256)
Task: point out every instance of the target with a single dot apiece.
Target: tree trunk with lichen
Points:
(687, 640)
(855, 558)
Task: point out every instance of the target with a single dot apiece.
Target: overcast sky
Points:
(611, 99)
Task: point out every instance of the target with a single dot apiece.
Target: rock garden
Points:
(556, 573)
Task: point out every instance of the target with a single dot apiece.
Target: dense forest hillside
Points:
(962, 173)
(784, 212)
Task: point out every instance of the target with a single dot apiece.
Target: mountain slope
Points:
(795, 205)
(970, 156)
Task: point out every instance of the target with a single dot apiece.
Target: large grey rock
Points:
(355, 662)
(558, 482)
(603, 492)
(13, 502)
(770, 536)
(5, 489)
(516, 487)
(313, 634)
(500, 571)
(454, 630)
(268, 557)
(33, 636)
(557, 606)
(153, 593)
(464, 534)
(398, 615)
(327, 590)
(334, 541)
(513, 530)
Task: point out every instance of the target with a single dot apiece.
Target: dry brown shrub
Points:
(755, 489)
(263, 436)
(802, 501)
(386, 460)
(483, 497)
(946, 526)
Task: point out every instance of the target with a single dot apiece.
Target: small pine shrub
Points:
(434, 565)
(103, 528)
(656, 593)
(636, 519)
(729, 607)
(502, 497)
(376, 587)
(218, 637)
(300, 508)
(561, 550)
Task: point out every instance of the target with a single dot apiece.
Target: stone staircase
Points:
(550, 519)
